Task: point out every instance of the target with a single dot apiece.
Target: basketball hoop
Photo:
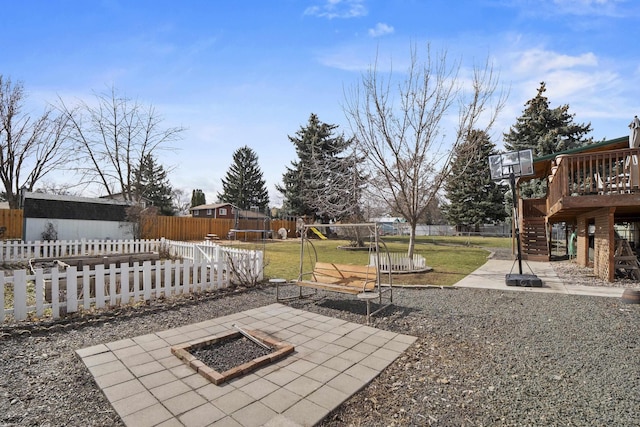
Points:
(512, 165)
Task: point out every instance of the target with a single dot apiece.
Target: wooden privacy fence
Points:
(170, 227)
(189, 228)
(11, 223)
(184, 228)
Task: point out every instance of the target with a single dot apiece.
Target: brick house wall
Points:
(604, 242)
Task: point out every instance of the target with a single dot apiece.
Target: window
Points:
(209, 212)
(196, 213)
(223, 211)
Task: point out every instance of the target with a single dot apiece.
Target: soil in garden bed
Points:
(222, 356)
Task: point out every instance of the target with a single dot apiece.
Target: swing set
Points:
(364, 281)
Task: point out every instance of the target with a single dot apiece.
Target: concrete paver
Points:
(148, 386)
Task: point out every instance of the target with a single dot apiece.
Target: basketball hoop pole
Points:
(512, 180)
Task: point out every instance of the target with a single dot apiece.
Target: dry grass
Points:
(451, 258)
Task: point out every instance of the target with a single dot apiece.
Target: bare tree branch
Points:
(112, 137)
(402, 130)
(30, 148)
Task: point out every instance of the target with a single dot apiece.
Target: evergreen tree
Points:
(151, 183)
(198, 198)
(474, 199)
(324, 182)
(243, 185)
(546, 130)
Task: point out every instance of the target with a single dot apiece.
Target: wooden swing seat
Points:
(342, 278)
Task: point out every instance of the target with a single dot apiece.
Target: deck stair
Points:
(626, 262)
(535, 245)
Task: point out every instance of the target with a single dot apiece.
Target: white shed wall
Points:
(75, 229)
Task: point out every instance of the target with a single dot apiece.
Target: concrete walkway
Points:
(333, 359)
(492, 276)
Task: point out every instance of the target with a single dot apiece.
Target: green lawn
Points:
(451, 258)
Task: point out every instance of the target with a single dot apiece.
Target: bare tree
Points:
(31, 147)
(181, 201)
(335, 186)
(404, 139)
(112, 137)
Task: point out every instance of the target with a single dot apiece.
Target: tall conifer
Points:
(474, 199)
(244, 185)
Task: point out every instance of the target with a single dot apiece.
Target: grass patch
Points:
(451, 258)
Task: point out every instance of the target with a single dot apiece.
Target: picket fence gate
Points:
(204, 266)
(400, 262)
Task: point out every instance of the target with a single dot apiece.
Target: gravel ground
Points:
(482, 358)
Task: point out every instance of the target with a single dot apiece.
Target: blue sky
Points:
(238, 73)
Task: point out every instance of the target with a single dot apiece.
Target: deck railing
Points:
(607, 172)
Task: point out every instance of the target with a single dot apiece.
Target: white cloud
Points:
(540, 61)
(590, 7)
(594, 86)
(380, 29)
(338, 9)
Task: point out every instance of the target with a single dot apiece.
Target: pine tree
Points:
(324, 182)
(198, 198)
(474, 199)
(151, 183)
(546, 130)
(243, 185)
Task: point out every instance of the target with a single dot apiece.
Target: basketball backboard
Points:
(520, 163)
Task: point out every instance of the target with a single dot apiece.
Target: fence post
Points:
(2, 286)
(112, 285)
(55, 293)
(86, 287)
(158, 267)
(19, 294)
(168, 284)
(72, 290)
(218, 267)
(99, 270)
(146, 280)
(124, 283)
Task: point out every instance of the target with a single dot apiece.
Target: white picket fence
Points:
(398, 262)
(19, 251)
(71, 290)
(243, 265)
(204, 266)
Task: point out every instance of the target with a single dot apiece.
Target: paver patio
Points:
(333, 359)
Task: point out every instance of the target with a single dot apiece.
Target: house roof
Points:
(246, 214)
(251, 215)
(120, 196)
(210, 206)
(60, 197)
